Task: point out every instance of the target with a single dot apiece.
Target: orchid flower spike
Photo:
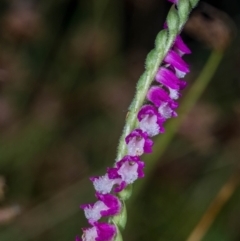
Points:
(160, 86)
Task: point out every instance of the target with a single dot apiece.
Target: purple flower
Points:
(162, 101)
(104, 184)
(167, 78)
(158, 95)
(150, 120)
(180, 47)
(108, 205)
(99, 232)
(129, 169)
(138, 143)
(177, 63)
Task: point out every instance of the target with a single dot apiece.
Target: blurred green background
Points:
(68, 70)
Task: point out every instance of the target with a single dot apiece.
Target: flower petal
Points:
(99, 232)
(168, 79)
(130, 168)
(138, 143)
(93, 211)
(158, 96)
(180, 46)
(166, 111)
(112, 202)
(150, 120)
(105, 231)
(89, 234)
(176, 61)
(104, 184)
(107, 205)
(173, 93)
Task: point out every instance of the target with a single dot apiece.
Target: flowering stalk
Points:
(165, 65)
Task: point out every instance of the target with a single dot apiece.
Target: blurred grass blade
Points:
(214, 208)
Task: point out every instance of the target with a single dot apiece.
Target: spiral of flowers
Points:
(160, 95)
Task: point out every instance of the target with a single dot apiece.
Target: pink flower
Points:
(129, 169)
(177, 63)
(107, 205)
(180, 47)
(104, 184)
(99, 232)
(162, 101)
(138, 143)
(150, 120)
(167, 78)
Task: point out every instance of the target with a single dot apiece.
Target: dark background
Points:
(68, 71)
